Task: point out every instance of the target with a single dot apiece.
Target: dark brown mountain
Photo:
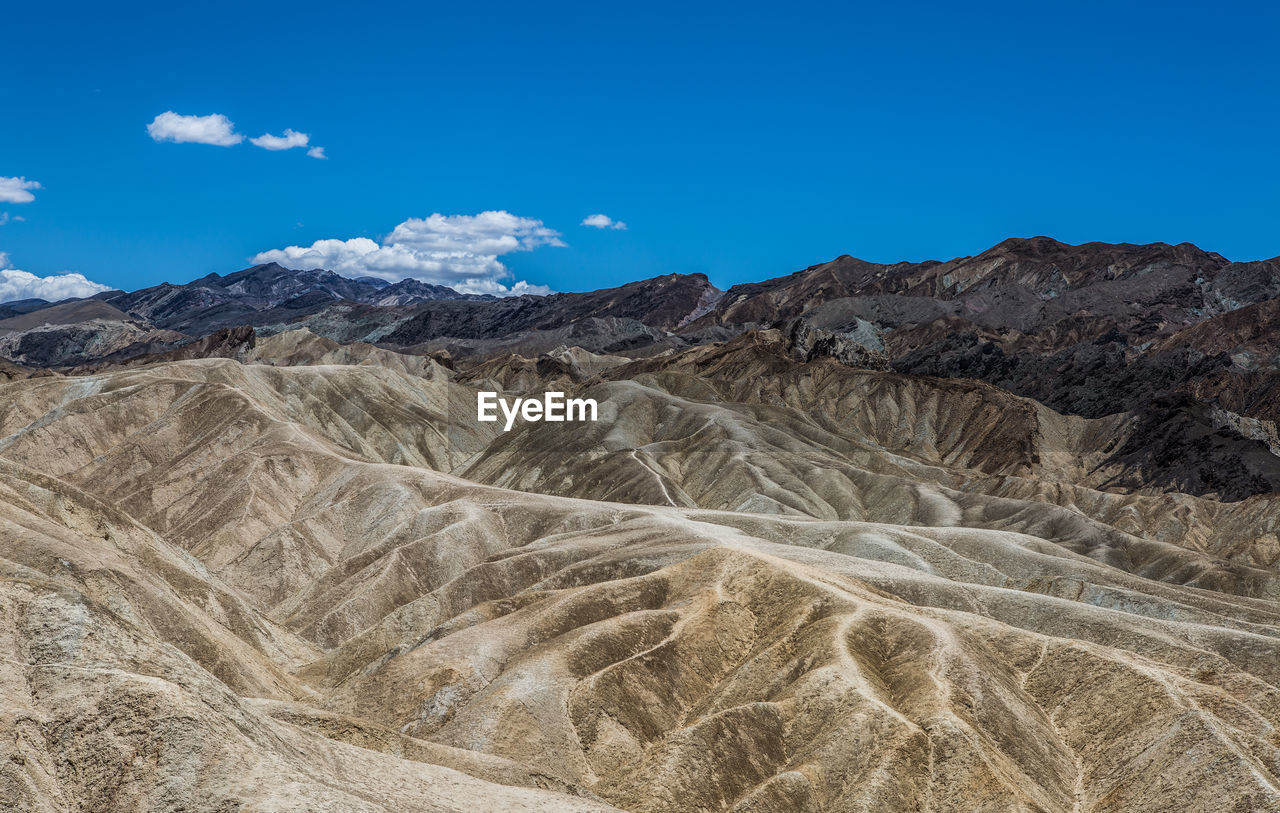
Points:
(664, 303)
(252, 296)
(1026, 284)
(1251, 333)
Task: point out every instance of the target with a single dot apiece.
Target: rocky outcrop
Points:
(69, 345)
(809, 343)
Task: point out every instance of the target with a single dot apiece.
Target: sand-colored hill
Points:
(319, 584)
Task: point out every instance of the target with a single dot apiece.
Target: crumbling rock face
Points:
(57, 345)
(809, 343)
(229, 343)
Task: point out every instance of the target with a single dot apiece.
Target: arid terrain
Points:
(1000, 533)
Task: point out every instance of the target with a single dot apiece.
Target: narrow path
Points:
(661, 481)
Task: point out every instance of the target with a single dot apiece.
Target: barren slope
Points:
(819, 589)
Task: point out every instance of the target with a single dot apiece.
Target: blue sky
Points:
(740, 140)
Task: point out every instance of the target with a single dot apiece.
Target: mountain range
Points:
(1000, 533)
(1179, 339)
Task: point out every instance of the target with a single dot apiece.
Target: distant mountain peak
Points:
(268, 293)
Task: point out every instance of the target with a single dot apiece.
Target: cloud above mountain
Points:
(17, 190)
(603, 222)
(460, 251)
(17, 284)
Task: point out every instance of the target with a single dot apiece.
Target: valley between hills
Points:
(1000, 533)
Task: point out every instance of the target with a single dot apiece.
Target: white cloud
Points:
(215, 129)
(17, 190)
(290, 139)
(460, 251)
(219, 130)
(603, 222)
(15, 284)
(494, 233)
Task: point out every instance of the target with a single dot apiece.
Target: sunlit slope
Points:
(132, 679)
(830, 590)
(742, 428)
